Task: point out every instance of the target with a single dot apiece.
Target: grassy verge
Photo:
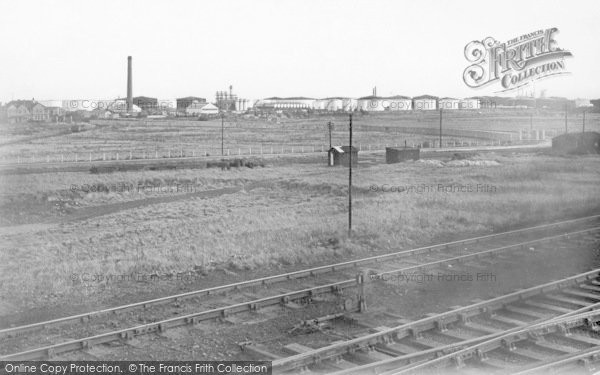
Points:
(298, 219)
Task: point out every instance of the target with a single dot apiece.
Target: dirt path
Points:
(86, 213)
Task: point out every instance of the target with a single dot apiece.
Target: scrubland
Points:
(280, 217)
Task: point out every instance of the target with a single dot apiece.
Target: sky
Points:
(78, 49)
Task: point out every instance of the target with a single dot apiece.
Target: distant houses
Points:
(18, 111)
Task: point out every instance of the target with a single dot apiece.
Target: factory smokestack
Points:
(129, 86)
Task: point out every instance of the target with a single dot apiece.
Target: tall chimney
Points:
(129, 86)
(375, 91)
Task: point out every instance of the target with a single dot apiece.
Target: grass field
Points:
(285, 215)
(148, 138)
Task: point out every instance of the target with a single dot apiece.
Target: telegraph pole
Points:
(566, 110)
(583, 121)
(330, 126)
(222, 132)
(530, 122)
(350, 182)
(440, 128)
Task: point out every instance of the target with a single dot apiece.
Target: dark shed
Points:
(340, 155)
(588, 142)
(398, 154)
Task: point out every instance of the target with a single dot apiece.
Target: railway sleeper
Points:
(127, 335)
(415, 333)
(592, 324)
(587, 364)
(508, 345)
(87, 344)
(441, 325)
(148, 329)
(458, 362)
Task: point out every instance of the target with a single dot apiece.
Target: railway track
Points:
(86, 330)
(567, 344)
(470, 334)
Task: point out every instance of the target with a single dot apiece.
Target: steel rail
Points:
(505, 338)
(338, 349)
(376, 367)
(591, 353)
(161, 326)
(83, 343)
(84, 317)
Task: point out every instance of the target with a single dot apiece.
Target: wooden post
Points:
(222, 132)
(566, 110)
(440, 128)
(350, 182)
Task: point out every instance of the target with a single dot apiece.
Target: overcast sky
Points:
(79, 49)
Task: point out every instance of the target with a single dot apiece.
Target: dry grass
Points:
(149, 138)
(299, 219)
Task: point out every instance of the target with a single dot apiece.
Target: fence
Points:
(181, 153)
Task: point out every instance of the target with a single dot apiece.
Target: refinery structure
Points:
(227, 101)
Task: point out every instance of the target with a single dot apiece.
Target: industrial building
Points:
(469, 103)
(292, 103)
(201, 109)
(554, 103)
(425, 102)
(183, 103)
(398, 103)
(449, 103)
(335, 104)
(146, 103)
(371, 103)
(228, 101)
